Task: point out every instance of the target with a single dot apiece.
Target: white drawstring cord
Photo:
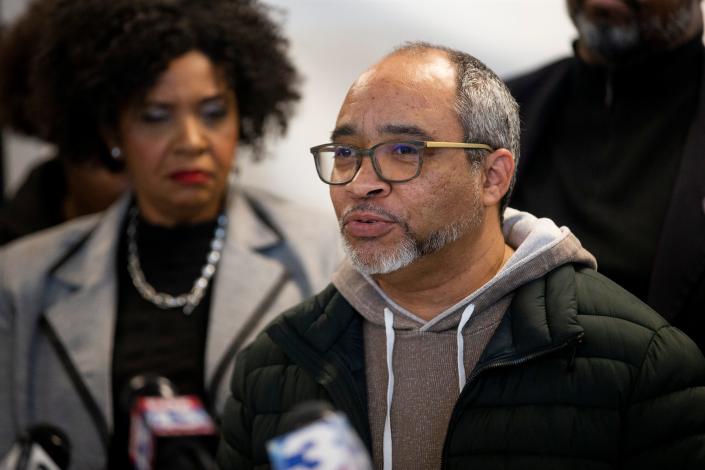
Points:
(461, 345)
(389, 332)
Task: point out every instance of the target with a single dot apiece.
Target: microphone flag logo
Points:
(326, 444)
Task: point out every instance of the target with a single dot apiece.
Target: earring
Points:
(115, 152)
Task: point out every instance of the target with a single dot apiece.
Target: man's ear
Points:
(498, 173)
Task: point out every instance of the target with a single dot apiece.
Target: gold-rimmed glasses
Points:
(393, 162)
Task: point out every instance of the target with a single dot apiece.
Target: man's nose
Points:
(366, 183)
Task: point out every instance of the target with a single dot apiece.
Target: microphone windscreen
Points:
(145, 385)
(157, 423)
(320, 439)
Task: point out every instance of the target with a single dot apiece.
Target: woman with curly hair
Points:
(175, 277)
(57, 189)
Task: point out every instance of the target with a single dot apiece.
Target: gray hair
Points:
(487, 111)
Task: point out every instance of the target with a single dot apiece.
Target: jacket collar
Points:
(84, 292)
(543, 316)
(83, 314)
(246, 229)
(245, 280)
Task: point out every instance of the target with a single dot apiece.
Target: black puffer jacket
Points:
(578, 375)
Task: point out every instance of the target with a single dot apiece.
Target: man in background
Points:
(613, 146)
(2, 144)
(56, 189)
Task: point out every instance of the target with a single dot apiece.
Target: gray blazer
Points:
(58, 305)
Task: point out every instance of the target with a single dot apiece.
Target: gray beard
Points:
(613, 43)
(411, 247)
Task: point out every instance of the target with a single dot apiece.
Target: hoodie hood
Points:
(430, 359)
(539, 246)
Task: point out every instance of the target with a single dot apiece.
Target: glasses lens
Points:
(398, 161)
(336, 163)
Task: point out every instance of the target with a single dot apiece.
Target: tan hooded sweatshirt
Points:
(416, 369)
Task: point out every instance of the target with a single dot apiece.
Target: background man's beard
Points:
(410, 248)
(615, 42)
(610, 42)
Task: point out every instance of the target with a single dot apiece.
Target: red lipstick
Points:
(190, 176)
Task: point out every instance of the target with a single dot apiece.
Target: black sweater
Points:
(152, 340)
(608, 153)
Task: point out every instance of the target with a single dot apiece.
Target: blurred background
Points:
(333, 41)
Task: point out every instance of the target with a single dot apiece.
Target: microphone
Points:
(317, 438)
(167, 431)
(40, 447)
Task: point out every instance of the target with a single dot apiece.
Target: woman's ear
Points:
(498, 170)
(110, 135)
(112, 142)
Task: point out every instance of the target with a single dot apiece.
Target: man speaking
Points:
(460, 334)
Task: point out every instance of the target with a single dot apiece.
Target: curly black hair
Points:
(97, 55)
(18, 48)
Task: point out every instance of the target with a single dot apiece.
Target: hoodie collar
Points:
(540, 246)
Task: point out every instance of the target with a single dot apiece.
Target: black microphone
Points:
(40, 447)
(167, 430)
(317, 437)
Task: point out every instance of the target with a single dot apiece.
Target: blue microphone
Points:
(318, 438)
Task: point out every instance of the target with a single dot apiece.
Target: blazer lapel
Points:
(246, 282)
(82, 316)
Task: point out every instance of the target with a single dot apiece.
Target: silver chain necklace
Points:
(190, 300)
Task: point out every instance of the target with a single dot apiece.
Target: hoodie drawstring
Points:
(387, 442)
(461, 345)
(389, 333)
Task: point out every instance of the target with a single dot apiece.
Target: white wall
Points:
(332, 41)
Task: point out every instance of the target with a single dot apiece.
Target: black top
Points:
(149, 339)
(608, 157)
(2, 169)
(37, 204)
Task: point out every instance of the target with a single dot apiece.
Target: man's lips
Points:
(190, 176)
(363, 224)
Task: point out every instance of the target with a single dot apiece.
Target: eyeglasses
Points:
(393, 162)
